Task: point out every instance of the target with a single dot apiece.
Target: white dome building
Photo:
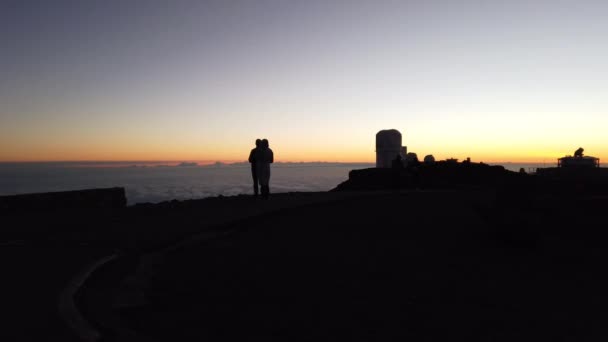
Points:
(388, 147)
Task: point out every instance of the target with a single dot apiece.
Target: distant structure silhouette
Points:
(388, 147)
(254, 171)
(397, 162)
(411, 159)
(578, 160)
(429, 159)
(263, 158)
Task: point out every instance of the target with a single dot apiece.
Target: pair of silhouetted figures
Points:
(260, 158)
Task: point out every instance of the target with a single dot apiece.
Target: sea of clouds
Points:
(159, 182)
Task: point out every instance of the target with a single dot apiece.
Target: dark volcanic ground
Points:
(33, 276)
(428, 265)
(41, 251)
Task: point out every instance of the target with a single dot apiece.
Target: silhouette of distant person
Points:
(579, 153)
(254, 170)
(263, 158)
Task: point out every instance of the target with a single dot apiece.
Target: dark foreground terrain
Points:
(45, 244)
(487, 255)
(424, 265)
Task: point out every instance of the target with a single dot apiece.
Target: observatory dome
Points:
(388, 147)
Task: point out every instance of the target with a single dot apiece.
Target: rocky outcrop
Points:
(440, 175)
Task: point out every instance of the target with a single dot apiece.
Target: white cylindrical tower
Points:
(388, 146)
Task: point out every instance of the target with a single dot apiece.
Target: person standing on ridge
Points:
(264, 157)
(254, 171)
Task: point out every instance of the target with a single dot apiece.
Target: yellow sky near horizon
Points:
(488, 138)
(289, 151)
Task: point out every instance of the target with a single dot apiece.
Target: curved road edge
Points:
(68, 310)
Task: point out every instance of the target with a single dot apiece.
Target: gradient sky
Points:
(200, 80)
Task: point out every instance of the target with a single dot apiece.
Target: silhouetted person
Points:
(254, 171)
(263, 158)
(579, 153)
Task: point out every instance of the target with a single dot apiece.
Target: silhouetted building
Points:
(388, 147)
(411, 158)
(578, 160)
(397, 162)
(429, 159)
(578, 168)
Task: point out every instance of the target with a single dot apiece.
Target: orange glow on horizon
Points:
(357, 149)
(548, 157)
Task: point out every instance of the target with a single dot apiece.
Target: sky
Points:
(520, 81)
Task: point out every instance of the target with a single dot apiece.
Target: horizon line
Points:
(210, 162)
